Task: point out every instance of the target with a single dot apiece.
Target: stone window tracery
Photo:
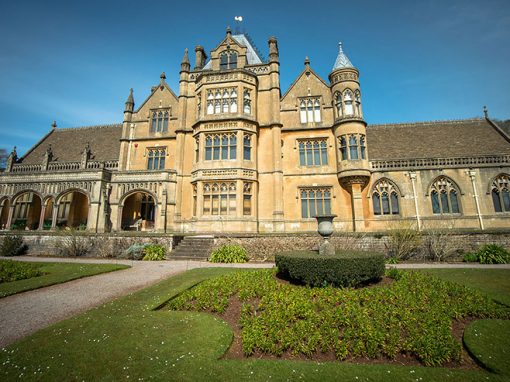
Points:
(156, 158)
(348, 99)
(352, 146)
(500, 192)
(315, 201)
(310, 110)
(228, 60)
(385, 198)
(159, 123)
(219, 199)
(221, 101)
(313, 152)
(444, 197)
(220, 146)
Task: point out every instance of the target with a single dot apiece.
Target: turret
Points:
(185, 66)
(353, 170)
(349, 126)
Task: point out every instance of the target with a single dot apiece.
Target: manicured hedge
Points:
(346, 269)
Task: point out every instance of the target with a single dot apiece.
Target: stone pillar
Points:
(41, 217)
(9, 217)
(355, 186)
(54, 216)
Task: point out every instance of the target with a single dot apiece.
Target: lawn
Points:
(128, 339)
(53, 273)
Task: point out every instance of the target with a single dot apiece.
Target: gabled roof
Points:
(303, 72)
(68, 144)
(252, 56)
(154, 88)
(437, 139)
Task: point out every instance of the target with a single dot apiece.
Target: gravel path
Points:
(25, 313)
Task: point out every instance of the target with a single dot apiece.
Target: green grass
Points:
(17, 270)
(56, 273)
(127, 337)
(494, 282)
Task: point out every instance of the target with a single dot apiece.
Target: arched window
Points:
(349, 110)
(444, 197)
(228, 60)
(500, 192)
(246, 102)
(156, 158)
(159, 123)
(385, 198)
(219, 199)
(316, 111)
(357, 100)
(310, 110)
(220, 146)
(210, 102)
(353, 147)
(302, 111)
(338, 105)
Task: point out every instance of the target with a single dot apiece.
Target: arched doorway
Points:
(27, 211)
(73, 210)
(4, 213)
(138, 212)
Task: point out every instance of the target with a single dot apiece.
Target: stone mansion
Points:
(231, 154)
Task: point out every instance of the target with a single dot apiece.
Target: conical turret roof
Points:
(342, 61)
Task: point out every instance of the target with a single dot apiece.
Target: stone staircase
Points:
(193, 248)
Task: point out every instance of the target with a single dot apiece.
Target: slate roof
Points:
(438, 139)
(342, 61)
(68, 144)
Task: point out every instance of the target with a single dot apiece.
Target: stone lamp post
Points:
(325, 229)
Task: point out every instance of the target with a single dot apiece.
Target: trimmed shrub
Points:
(154, 252)
(344, 269)
(493, 254)
(12, 245)
(16, 270)
(229, 254)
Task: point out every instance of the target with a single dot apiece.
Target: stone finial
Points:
(54, 125)
(49, 150)
(307, 61)
(48, 157)
(229, 31)
(185, 66)
(14, 153)
(485, 112)
(11, 159)
(162, 76)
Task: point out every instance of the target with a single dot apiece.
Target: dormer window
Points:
(159, 123)
(228, 60)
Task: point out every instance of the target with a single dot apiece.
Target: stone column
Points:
(355, 185)
(54, 216)
(41, 217)
(9, 216)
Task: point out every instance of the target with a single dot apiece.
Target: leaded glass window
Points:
(310, 110)
(500, 192)
(313, 152)
(385, 198)
(315, 201)
(156, 158)
(159, 122)
(219, 199)
(220, 146)
(444, 197)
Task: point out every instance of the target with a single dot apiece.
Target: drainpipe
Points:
(412, 175)
(472, 175)
(131, 128)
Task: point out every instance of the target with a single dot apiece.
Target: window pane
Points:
(394, 204)
(149, 164)
(247, 153)
(327, 203)
(207, 205)
(496, 201)
(317, 112)
(309, 158)
(309, 109)
(233, 146)
(224, 152)
(233, 106)
(324, 154)
(353, 152)
(320, 205)
(377, 203)
(385, 204)
(444, 203)
(506, 199)
(304, 205)
(302, 114)
(233, 60)
(302, 154)
(215, 205)
(247, 205)
(232, 205)
(208, 153)
(435, 203)
(223, 204)
(454, 202)
(165, 123)
(223, 61)
(348, 108)
(312, 203)
(316, 154)
(162, 163)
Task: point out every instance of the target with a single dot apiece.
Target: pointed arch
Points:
(499, 189)
(444, 196)
(139, 210)
(386, 197)
(27, 209)
(73, 206)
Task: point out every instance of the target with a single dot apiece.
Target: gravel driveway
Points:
(25, 313)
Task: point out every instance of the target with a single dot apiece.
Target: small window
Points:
(310, 110)
(315, 201)
(247, 199)
(156, 159)
(159, 122)
(313, 152)
(228, 60)
(353, 147)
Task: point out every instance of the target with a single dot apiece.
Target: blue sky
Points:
(74, 61)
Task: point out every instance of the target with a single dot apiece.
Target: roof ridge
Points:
(419, 123)
(89, 127)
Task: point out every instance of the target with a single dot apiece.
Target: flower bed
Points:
(411, 316)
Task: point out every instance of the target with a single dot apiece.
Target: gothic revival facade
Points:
(230, 153)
